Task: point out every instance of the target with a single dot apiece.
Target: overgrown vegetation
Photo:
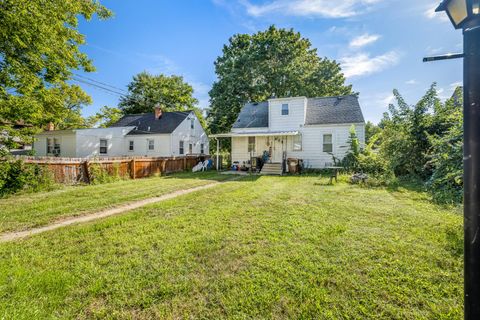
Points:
(422, 141)
(16, 176)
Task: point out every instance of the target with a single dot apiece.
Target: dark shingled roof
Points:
(253, 115)
(334, 110)
(145, 123)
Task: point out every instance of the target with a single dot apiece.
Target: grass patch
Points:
(268, 247)
(25, 211)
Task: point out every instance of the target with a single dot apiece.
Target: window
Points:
(192, 123)
(180, 148)
(284, 109)
(251, 144)
(327, 143)
(103, 146)
(131, 145)
(297, 143)
(49, 146)
(151, 144)
(202, 148)
(190, 148)
(56, 147)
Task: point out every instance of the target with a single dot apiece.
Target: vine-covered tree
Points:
(275, 62)
(39, 48)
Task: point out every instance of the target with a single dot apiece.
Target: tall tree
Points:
(275, 62)
(147, 90)
(405, 136)
(39, 48)
(105, 117)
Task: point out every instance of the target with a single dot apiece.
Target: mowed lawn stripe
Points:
(26, 211)
(281, 247)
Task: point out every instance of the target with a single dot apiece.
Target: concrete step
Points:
(272, 169)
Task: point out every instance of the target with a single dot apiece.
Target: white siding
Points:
(88, 142)
(65, 139)
(161, 143)
(312, 144)
(195, 136)
(290, 122)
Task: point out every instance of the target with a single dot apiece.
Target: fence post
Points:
(132, 169)
(185, 163)
(86, 169)
(164, 166)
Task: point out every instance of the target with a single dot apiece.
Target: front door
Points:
(278, 148)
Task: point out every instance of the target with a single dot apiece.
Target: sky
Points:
(379, 43)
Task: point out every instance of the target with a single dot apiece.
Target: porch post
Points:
(218, 151)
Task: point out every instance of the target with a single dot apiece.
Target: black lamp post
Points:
(465, 14)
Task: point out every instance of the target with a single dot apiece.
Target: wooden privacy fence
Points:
(79, 170)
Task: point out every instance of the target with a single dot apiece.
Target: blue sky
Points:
(380, 43)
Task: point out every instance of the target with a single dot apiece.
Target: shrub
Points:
(17, 176)
(100, 175)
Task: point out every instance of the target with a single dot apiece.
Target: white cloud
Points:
(363, 40)
(322, 8)
(388, 99)
(456, 85)
(362, 64)
(431, 14)
(412, 82)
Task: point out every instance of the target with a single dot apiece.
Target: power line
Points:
(98, 86)
(100, 83)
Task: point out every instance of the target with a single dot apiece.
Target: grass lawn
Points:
(268, 247)
(31, 210)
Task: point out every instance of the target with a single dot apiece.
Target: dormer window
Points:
(285, 109)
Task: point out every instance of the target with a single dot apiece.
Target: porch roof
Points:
(255, 134)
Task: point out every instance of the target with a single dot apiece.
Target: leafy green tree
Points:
(446, 182)
(147, 90)
(405, 136)
(350, 162)
(275, 62)
(105, 117)
(371, 131)
(39, 48)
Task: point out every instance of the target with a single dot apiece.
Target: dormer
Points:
(287, 113)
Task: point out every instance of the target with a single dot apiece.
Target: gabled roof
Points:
(334, 110)
(145, 123)
(327, 110)
(253, 115)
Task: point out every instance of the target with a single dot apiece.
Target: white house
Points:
(156, 134)
(310, 129)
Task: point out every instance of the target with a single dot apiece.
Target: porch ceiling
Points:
(255, 134)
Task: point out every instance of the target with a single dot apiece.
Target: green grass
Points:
(36, 209)
(272, 247)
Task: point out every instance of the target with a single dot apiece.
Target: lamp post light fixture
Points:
(465, 15)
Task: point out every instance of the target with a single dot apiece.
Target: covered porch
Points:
(248, 148)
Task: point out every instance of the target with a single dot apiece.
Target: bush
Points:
(16, 176)
(100, 175)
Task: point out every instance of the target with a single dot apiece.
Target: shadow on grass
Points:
(212, 175)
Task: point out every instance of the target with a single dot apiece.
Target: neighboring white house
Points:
(311, 129)
(156, 134)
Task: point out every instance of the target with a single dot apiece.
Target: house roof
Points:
(327, 110)
(334, 110)
(145, 123)
(253, 115)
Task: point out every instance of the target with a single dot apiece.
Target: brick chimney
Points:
(50, 126)
(158, 111)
